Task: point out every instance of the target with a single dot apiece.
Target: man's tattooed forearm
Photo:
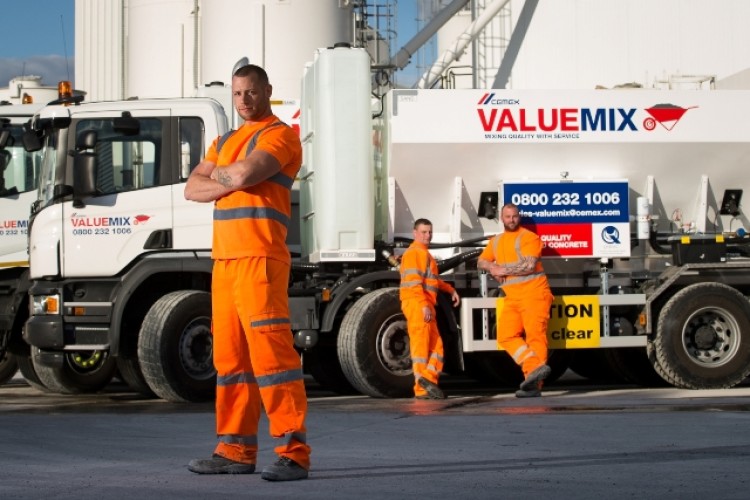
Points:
(224, 179)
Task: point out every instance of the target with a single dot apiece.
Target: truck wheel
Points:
(323, 364)
(26, 367)
(703, 337)
(175, 347)
(131, 374)
(373, 346)
(81, 372)
(8, 367)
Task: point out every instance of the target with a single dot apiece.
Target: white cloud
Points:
(51, 68)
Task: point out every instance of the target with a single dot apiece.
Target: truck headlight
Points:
(45, 304)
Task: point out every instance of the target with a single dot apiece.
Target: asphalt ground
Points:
(578, 441)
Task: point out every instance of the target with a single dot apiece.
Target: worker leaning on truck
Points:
(513, 258)
(248, 174)
(420, 285)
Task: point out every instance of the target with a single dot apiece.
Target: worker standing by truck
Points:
(420, 285)
(513, 259)
(249, 175)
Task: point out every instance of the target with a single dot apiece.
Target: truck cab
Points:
(110, 235)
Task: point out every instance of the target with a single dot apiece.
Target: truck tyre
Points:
(323, 364)
(373, 346)
(703, 337)
(131, 374)
(26, 367)
(8, 367)
(175, 347)
(82, 372)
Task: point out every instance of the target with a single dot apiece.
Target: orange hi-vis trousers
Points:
(522, 329)
(425, 345)
(256, 361)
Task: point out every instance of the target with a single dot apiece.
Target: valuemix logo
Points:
(14, 224)
(78, 220)
(508, 116)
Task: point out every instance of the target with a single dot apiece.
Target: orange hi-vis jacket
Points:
(253, 222)
(508, 248)
(420, 281)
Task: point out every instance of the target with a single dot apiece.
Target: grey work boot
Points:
(285, 469)
(432, 389)
(531, 393)
(219, 465)
(534, 377)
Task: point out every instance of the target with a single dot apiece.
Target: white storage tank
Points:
(336, 179)
(279, 35)
(171, 47)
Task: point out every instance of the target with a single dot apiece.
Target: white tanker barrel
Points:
(336, 179)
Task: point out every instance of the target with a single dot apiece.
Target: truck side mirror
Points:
(5, 137)
(84, 167)
(31, 140)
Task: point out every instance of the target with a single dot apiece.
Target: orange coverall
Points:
(419, 288)
(253, 348)
(525, 307)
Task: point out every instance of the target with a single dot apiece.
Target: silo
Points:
(280, 35)
(160, 46)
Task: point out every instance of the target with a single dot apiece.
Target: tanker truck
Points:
(637, 195)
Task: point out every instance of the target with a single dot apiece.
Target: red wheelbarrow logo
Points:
(140, 219)
(666, 115)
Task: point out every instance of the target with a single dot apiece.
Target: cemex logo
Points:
(508, 115)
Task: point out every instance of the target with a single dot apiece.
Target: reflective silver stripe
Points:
(281, 180)
(521, 279)
(518, 353)
(432, 368)
(249, 440)
(235, 378)
(418, 360)
(251, 213)
(296, 436)
(280, 378)
(431, 288)
(517, 244)
(409, 272)
(410, 284)
(270, 321)
(437, 356)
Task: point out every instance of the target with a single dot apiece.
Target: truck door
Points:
(130, 211)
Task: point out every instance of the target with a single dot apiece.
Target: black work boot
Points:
(534, 377)
(432, 389)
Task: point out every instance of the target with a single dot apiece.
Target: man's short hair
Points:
(422, 222)
(252, 69)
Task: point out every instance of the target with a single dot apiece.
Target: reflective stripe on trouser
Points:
(522, 330)
(255, 360)
(425, 345)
